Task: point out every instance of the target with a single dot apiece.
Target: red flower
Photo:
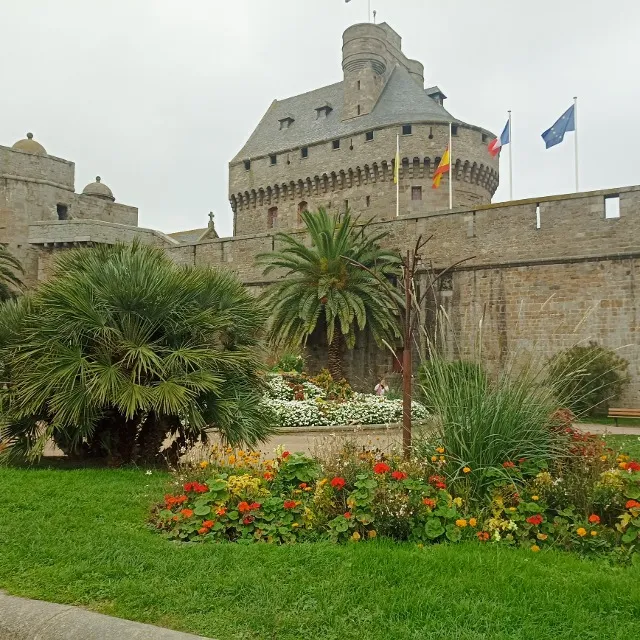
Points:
(381, 468)
(243, 507)
(268, 475)
(594, 519)
(171, 500)
(196, 487)
(430, 502)
(438, 482)
(254, 506)
(221, 511)
(633, 466)
(522, 460)
(187, 513)
(632, 504)
(289, 504)
(203, 530)
(247, 520)
(508, 464)
(303, 485)
(399, 475)
(347, 515)
(285, 455)
(338, 483)
(483, 536)
(535, 520)
(208, 524)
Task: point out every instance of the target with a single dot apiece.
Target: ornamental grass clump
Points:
(483, 424)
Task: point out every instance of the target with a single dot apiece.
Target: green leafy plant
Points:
(121, 347)
(591, 377)
(10, 271)
(333, 286)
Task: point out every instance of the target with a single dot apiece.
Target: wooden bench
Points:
(624, 413)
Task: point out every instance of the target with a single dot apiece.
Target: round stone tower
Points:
(335, 147)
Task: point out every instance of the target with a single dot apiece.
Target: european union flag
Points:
(566, 122)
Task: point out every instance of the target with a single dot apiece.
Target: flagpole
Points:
(510, 162)
(450, 169)
(575, 137)
(397, 170)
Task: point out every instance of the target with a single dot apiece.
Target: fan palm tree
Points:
(338, 283)
(9, 281)
(122, 348)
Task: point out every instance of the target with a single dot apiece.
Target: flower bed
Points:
(298, 402)
(355, 496)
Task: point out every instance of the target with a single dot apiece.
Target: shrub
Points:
(290, 362)
(431, 373)
(591, 377)
(121, 347)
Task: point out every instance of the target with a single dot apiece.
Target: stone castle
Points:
(540, 274)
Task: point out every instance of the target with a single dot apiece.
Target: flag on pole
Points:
(566, 122)
(443, 167)
(498, 143)
(396, 164)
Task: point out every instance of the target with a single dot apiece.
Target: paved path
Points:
(608, 429)
(22, 619)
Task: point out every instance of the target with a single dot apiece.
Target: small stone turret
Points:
(370, 52)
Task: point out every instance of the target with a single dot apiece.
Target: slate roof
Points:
(402, 100)
(189, 236)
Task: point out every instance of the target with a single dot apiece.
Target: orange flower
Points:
(594, 519)
(187, 513)
(221, 511)
(268, 475)
(347, 515)
(461, 522)
(243, 507)
(473, 522)
(632, 504)
(542, 536)
(203, 530)
(535, 548)
(582, 532)
(466, 469)
(594, 533)
(430, 502)
(508, 464)
(208, 524)
(483, 536)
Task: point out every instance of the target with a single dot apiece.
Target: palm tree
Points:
(9, 281)
(339, 283)
(122, 348)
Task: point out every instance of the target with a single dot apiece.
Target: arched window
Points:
(302, 206)
(272, 217)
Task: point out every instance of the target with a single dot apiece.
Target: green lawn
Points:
(626, 444)
(78, 536)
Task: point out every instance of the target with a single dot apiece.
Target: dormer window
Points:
(436, 94)
(287, 121)
(323, 110)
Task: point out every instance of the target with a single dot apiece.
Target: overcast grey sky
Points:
(156, 96)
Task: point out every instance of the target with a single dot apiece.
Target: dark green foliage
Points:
(10, 283)
(289, 362)
(593, 377)
(325, 286)
(122, 348)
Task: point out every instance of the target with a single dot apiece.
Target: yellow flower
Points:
(442, 459)
(457, 502)
(434, 458)
(582, 532)
(623, 465)
(466, 470)
(323, 482)
(372, 533)
(295, 525)
(204, 464)
(603, 458)
(472, 522)
(542, 536)
(355, 536)
(461, 522)
(594, 533)
(535, 498)
(420, 545)
(512, 509)
(535, 548)
(232, 459)
(241, 454)
(440, 449)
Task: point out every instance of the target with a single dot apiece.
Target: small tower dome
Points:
(29, 145)
(98, 190)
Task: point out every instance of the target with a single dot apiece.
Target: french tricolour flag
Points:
(505, 138)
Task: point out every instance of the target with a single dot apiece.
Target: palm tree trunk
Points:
(335, 360)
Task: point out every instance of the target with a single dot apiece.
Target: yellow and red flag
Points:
(443, 167)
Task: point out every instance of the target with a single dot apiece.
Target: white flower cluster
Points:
(316, 411)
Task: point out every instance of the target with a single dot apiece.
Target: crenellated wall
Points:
(360, 174)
